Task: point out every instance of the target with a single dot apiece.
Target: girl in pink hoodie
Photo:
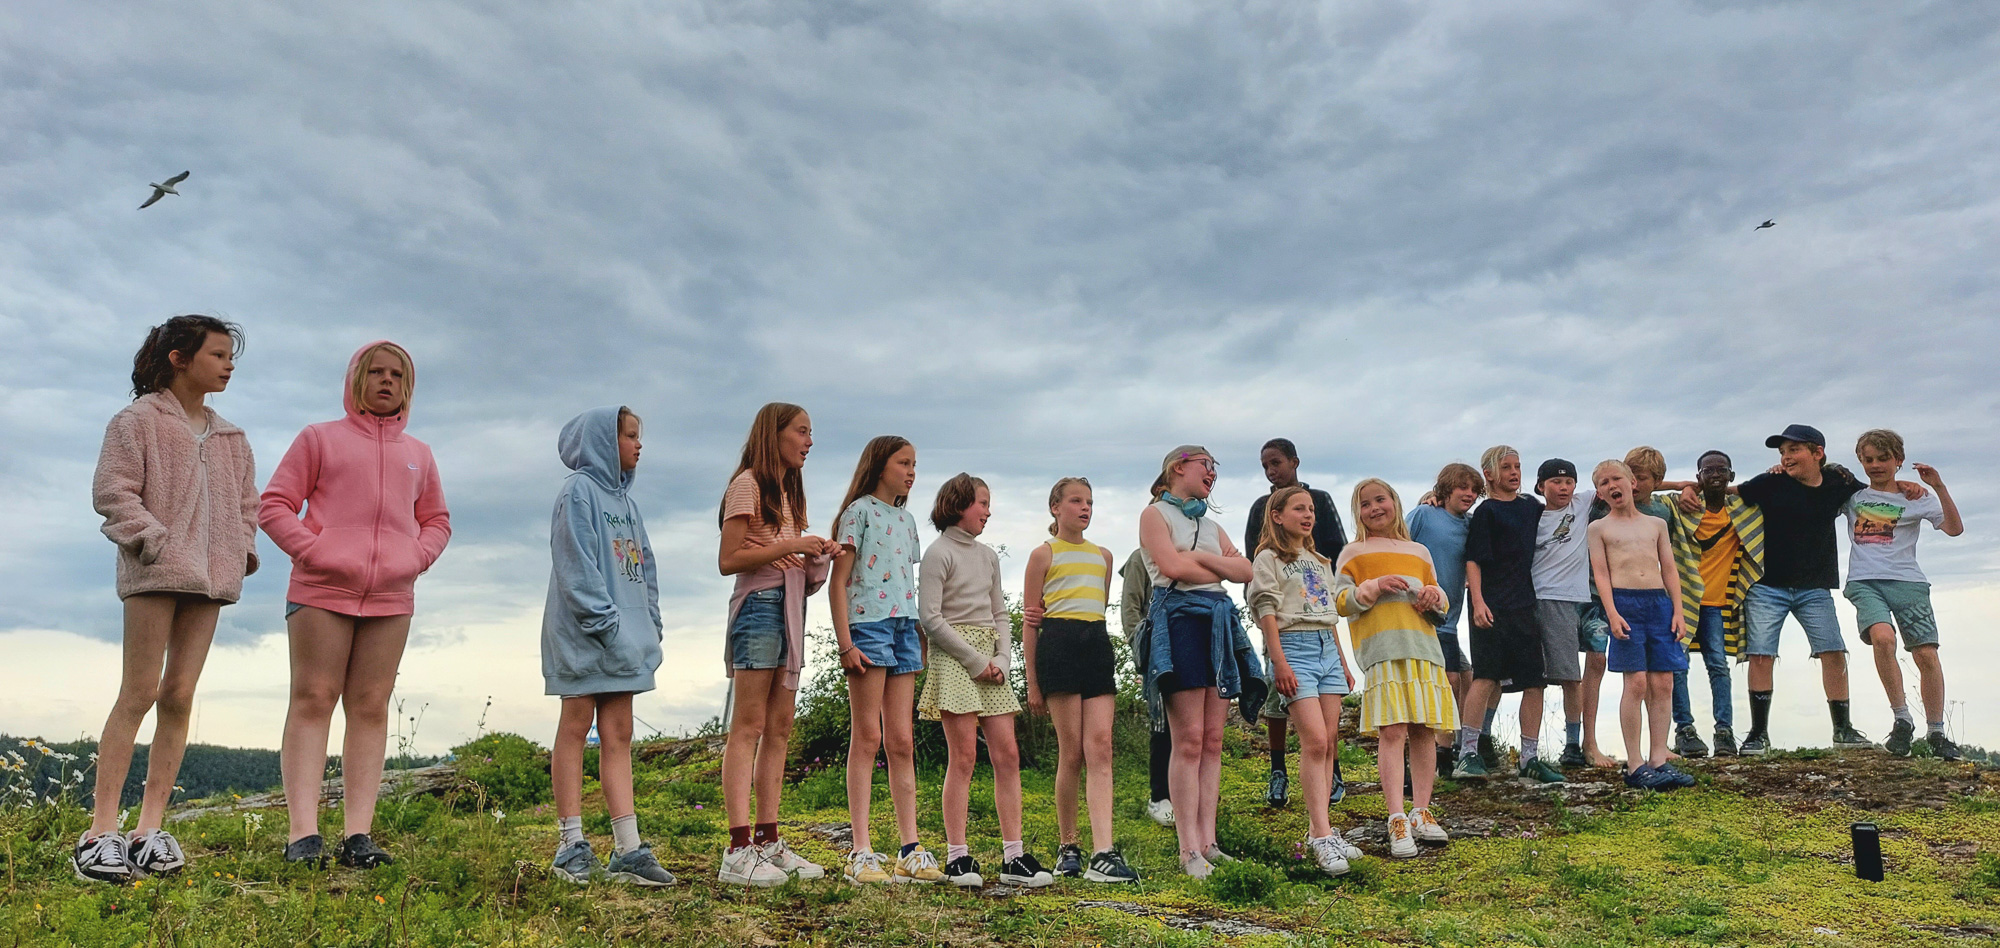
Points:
(177, 488)
(374, 519)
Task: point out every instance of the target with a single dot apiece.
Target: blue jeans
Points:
(1707, 635)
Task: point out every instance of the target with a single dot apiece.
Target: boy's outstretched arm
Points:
(1953, 525)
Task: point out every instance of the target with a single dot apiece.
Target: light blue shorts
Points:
(1767, 606)
(1315, 660)
(890, 644)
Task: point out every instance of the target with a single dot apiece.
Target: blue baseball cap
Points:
(1806, 434)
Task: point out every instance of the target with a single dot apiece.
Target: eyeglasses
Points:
(1205, 460)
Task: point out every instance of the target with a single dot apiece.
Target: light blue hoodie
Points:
(601, 627)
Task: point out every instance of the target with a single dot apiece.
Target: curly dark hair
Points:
(153, 368)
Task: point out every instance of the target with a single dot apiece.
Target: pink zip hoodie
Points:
(374, 510)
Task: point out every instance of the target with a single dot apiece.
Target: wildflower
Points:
(379, 901)
(697, 806)
(44, 748)
(497, 815)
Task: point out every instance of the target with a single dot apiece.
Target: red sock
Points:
(766, 833)
(739, 837)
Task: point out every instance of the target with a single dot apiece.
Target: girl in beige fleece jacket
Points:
(178, 491)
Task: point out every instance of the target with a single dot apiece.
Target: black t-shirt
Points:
(1328, 536)
(1800, 549)
(1501, 540)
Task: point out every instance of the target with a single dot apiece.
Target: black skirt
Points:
(1074, 656)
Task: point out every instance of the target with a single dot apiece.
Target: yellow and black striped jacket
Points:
(1748, 521)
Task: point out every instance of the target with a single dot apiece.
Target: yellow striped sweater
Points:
(1392, 628)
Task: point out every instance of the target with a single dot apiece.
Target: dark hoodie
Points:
(601, 627)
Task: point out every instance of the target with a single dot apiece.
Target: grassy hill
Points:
(1757, 854)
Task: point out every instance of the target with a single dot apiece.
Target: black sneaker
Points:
(1849, 737)
(1572, 757)
(1943, 748)
(1755, 744)
(307, 849)
(963, 872)
(1109, 866)
(1025, 871)
(1725, 742)
(1339, 791)
(103, 858)
(1488, 753)
(1447, 759)
(1277, 793)
(1687, 742)
(360, 852)
(1898, 744)
(1069, 861)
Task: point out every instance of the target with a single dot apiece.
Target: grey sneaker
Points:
(1109, 866)
(1328, 855)
(157, 853)
(1687, 742)
(1898, 744)
(102, 859)
(1725, 742)
(577, 863)
(1277, 791)
(1943, 748)
(1849, 737)
(638, 867)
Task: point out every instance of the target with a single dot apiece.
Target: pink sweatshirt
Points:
(182, 510)
(374, 510)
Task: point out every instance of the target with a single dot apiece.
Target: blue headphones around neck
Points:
(1193, 508)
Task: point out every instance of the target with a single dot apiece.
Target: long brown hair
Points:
(153, 368)
(868, 471)
(774, 479)
(1273, 539)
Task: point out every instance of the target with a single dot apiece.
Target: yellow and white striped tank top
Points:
(1077, 583)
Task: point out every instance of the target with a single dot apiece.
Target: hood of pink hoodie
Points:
(393, 425)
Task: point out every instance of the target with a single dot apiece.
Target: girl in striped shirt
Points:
(1386, 586)
(1071, 669)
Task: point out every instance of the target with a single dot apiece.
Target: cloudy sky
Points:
(1038, 239)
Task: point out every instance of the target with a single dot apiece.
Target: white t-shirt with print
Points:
(1562, 553)
(1882, 527)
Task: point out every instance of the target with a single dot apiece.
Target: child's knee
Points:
(864, 733)
(1097, 746)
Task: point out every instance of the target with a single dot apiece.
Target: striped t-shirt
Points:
(1077, 582)
(741, 501)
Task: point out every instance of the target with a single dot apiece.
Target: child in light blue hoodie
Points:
(600, 639)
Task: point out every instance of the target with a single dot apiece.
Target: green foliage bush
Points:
(1246, 883)
(510, 771)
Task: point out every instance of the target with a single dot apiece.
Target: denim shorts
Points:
(889, 643)
(1315, 659)
(757, 638)
(1877, 601)
(1454, 656)
(1767, 606)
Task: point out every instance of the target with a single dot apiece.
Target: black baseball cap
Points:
(1553, 467)
(1802, 433)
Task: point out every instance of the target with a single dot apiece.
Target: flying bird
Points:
(1758, 227)
(162, 190)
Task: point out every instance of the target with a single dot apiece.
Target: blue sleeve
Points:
(1415, 520)
(580, 574)
(652, 579)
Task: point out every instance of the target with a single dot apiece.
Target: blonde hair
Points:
(1881, 439)
(624, 413)
(1398, 530)
(1056, 496)
(1610, 465)
(1273, 539)
(1489, 462)
(357, 382)
(1644, 458)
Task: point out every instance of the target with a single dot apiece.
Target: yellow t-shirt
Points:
(1719, 546)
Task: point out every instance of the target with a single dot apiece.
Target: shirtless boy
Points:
(1632, 562)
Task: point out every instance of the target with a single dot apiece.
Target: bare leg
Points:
(1461, 686)
(1484, 693)
(1659, 712)
(321, 643)
(754, 688)
(864, 739)
(614, 753)
(1572, 701)
(1930, 678)
(961, 755)
(1631, 706)
(1066, 710)
(899, 745)
(1762, 672)
(566, 757)
(1833, 674)
(1422, 745)
(1006, 758)
(1882, 639)
(772, 749)
(193, 631)
(1187, 715)
(1099, 714)
(1531, 714)
(149, 622)
(1216, 713)
(1315, 765)
(1389, 754)
(371, 677)
(1593, 692)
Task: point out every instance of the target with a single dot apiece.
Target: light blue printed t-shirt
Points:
(884, 541)
(1443, 533)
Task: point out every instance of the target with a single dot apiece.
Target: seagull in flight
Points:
(1758, 227)
(162, 190)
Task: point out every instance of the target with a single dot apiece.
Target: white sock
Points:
(571, 828)
(1531, 748)
(625, 832)
(954, 850)
(1902, 713)
(1011, 850)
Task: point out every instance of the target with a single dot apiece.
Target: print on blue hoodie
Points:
(601, 627)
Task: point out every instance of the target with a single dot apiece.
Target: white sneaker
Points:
(102, 859)
(1195, 866)
(1328, 853)
(866, 868)
(156, 854)
(1216, 856)
(747, 866)
(1162, 812)
(1348, 850)
(1426, 828)
(780, 855)
(1402, 845)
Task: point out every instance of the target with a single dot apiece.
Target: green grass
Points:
(1702, 867)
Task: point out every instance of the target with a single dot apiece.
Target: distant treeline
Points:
(206, 769)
